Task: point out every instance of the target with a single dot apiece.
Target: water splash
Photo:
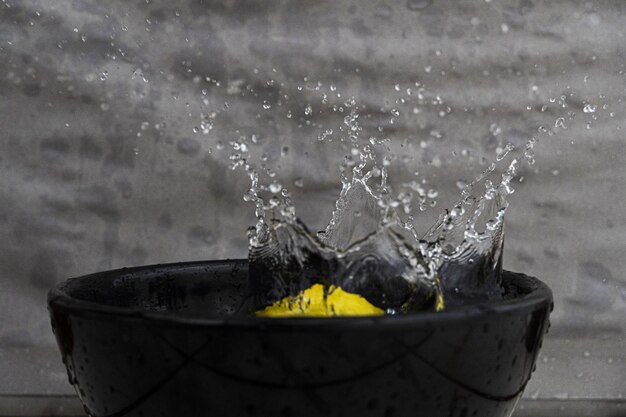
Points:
(369, 249)
(371, 245)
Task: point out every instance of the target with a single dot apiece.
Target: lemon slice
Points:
(316, 302)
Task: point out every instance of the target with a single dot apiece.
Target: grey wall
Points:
(100, 166)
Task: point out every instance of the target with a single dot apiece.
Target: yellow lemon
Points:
(316, 302)
(439, 302)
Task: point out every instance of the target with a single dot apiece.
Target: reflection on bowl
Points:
(179, 340)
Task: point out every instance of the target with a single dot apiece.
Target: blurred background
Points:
(116, 123)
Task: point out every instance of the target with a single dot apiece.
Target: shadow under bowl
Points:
(177, 340)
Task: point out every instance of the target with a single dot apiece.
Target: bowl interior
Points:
(217, 289)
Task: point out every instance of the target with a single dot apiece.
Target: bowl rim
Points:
(59, 300)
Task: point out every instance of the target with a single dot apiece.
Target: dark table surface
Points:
(69, 406)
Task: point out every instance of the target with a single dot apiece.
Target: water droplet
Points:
(325, 134)
(436, 134)
(206, 126)
(501, 153)
(590, 108)
(495, 129)
(417, 5)
(275, 188)
(560, 122)
(274, 202)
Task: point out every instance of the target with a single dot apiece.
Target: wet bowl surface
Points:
(177, 340)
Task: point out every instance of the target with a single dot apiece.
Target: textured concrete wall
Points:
(100, 166)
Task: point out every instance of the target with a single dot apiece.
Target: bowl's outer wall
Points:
(129, 366)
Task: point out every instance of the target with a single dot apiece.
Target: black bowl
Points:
(177, 340)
